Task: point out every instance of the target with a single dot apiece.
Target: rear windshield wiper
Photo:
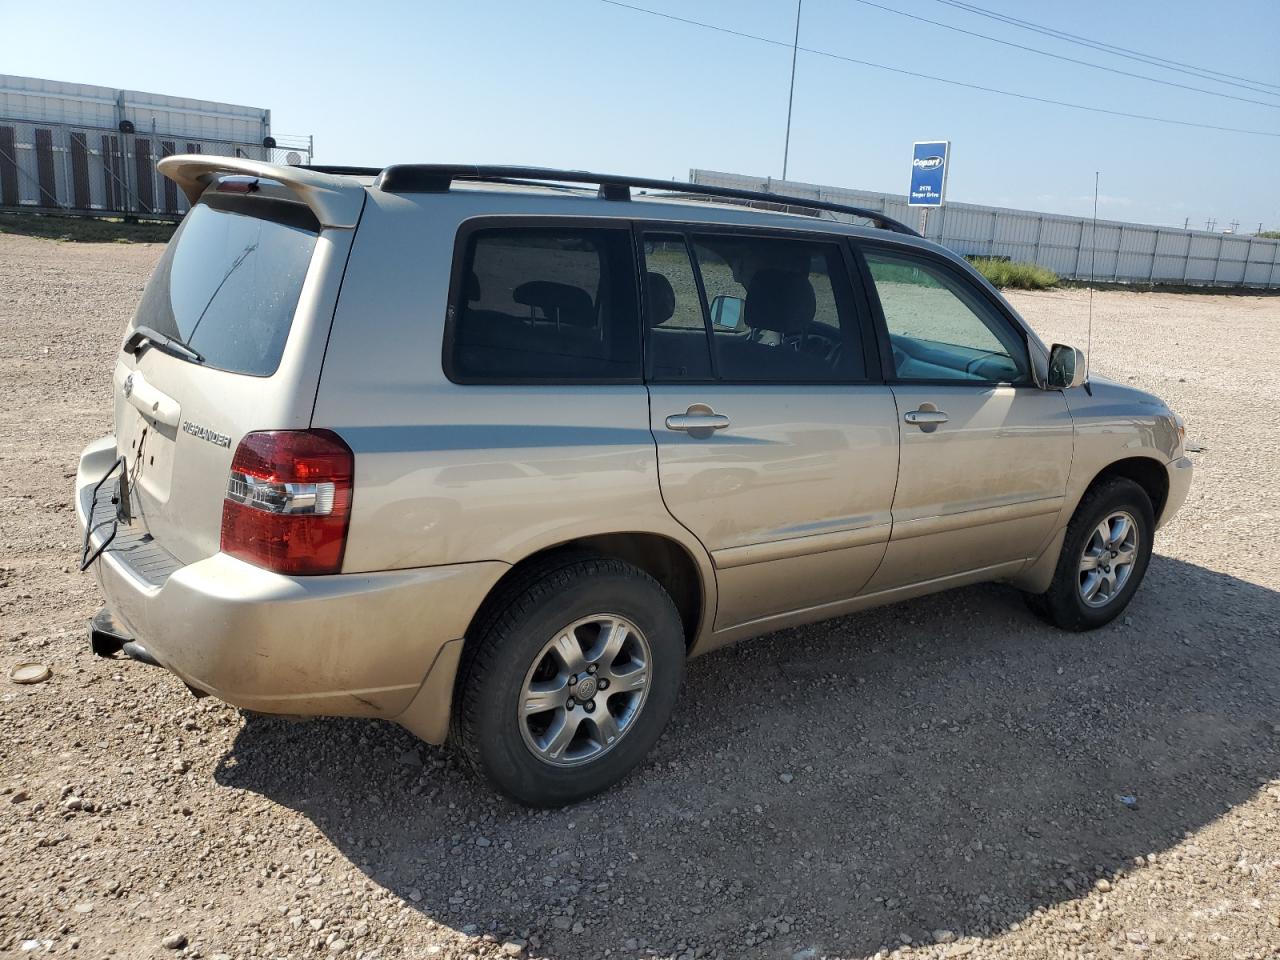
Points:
(142, 335)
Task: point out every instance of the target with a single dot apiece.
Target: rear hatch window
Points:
(229, 281)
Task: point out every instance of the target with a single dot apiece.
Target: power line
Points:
(926, 76)
(699, 23)
(1206, 73)
(1203, 73)
(1059, 56)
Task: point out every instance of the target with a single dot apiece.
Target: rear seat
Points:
(782, 302)
(561, 324)
(678, 352)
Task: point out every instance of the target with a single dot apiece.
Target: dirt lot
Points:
(949, 770)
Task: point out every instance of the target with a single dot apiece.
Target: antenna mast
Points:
(791, 95)
(1093, 256)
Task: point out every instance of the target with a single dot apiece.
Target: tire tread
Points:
(1058, 604)
(504, 613)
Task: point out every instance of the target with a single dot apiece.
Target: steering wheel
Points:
(815, 344)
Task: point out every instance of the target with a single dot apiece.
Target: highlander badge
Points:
(204, 433)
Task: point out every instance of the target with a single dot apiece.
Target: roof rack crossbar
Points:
(436, 178)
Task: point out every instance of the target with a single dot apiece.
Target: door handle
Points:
(698, 419)
(925, 418)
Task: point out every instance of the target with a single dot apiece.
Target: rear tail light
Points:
(288, 501)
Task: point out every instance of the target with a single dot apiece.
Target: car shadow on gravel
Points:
(950, 763)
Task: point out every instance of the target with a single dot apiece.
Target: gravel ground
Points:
(940, 778)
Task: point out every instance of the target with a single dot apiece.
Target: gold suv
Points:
(491, 451)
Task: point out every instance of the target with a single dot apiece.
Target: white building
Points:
(86, 149)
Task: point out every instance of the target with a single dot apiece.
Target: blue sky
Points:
(583, 84)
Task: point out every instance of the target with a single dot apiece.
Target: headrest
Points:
(561, 302)
(780, 300)
(661, 298)
(471, 286)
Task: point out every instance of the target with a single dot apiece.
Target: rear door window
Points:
(545, 303)
(780, 310)
(229, 281)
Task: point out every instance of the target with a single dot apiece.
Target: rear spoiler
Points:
(336, 201)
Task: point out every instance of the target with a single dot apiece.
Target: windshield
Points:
(229, 282)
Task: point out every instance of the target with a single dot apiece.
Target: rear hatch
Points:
(228, 339)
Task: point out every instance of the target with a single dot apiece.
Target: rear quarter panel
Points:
(449, 473)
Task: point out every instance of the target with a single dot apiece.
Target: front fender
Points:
(1112, 423)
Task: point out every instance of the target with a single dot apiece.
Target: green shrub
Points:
(1020, 276)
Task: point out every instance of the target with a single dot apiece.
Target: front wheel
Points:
(569, 680)
(1104, 558)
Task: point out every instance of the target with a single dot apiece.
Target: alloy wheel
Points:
(1108, 558)
(585, 690)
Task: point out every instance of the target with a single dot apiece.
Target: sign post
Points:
(929, 162)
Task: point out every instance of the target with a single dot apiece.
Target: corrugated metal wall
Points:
(61, 147)
(1069, 246)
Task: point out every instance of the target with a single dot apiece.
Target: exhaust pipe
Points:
(107, 638)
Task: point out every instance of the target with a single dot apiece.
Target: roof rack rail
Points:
(436, 178)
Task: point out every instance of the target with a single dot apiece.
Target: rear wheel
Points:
(1104, 558)
(569, 678)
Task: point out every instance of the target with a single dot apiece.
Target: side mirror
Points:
(1067, 367)
(726, 312)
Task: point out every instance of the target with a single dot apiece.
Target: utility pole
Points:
(1185, 221)
(791, 95)
(1235, 225)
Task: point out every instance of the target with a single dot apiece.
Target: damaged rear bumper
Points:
(359, 644)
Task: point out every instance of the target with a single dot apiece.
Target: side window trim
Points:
(641, 229)
(859, 249)
(698, 282)
(860, 283)
(457, 287)
(875, 312)
(858, 300)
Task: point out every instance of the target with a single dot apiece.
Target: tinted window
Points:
(229, 281)
(940, 329)
(677, 333)
(547, 304)
(779, 310)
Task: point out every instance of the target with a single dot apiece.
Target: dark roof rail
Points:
(340, 170)
(436, 178)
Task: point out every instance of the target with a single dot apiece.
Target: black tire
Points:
(1062, 604)
(509, 637)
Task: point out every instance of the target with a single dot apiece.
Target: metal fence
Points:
(1072, 247)
(72, 168)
